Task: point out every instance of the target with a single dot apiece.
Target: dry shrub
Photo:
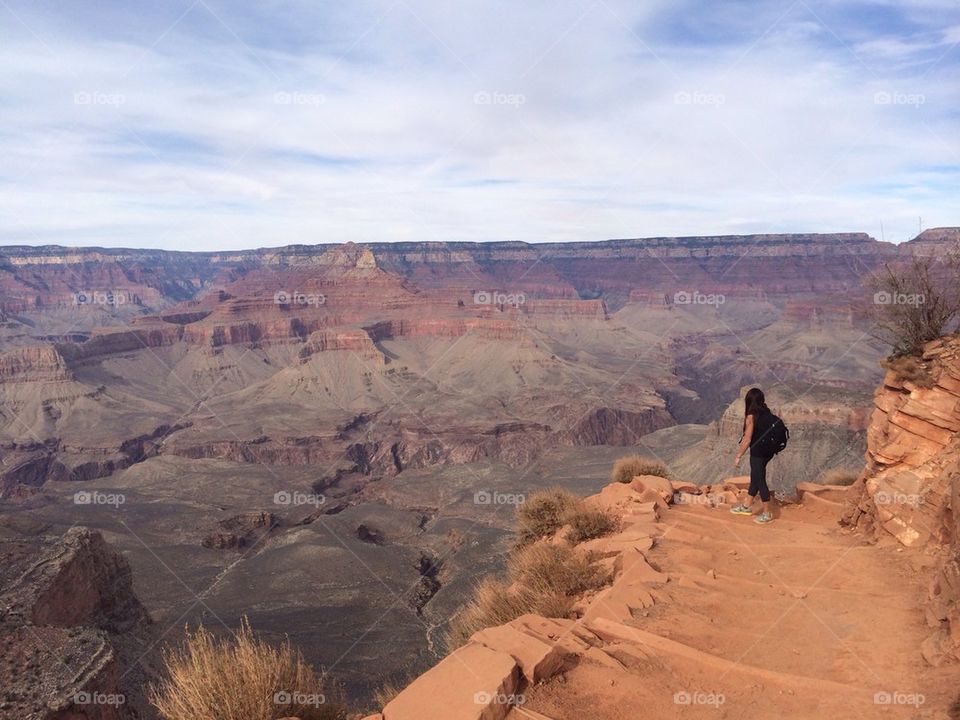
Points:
(546, 569)
(840, 476)
(626, 468)
(494, 603)
(544, 513)
(543, 579)
(911, 369)
(588, 523)
(915, 299)
(240, 678)
(549, 510)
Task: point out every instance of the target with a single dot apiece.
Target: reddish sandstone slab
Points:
(537, 659)
(661, 486)
(472, 683)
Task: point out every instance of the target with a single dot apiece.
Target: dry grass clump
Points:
(543, 579)
(495, 603)
(385, 694)
(910, 369)
(549, 510)
(589, 523)
(840, 476)
(544, 513)
(546, 569)
(628, 467)
(240, 678)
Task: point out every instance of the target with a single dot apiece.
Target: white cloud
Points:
(593, 121)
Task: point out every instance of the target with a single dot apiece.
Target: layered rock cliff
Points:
(910, 487)
(74, 633)
(39, 363)
(37, 278)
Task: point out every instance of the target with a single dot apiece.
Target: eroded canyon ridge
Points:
(331, 439)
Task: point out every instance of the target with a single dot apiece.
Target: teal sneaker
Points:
(741, 509)
(763, 518)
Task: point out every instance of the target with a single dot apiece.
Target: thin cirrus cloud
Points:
(207, 125)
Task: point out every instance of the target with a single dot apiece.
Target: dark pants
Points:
(758, 477)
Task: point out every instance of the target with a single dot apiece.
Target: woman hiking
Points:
(757, 420)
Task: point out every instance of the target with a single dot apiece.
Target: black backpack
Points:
(771, 434)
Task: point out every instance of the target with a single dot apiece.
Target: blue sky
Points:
(206, 124)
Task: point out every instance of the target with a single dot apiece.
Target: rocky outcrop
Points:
(111, 341)
(488, 329)
(43, 363)
(307, 450)
(935, 240)
(241, 531)
(910, 487)
(33, 464)
(912, 445)
(809, 314)
(616, 426)
(354, 341)
(73, 630)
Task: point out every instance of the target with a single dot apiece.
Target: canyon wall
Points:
(38, 278)
(910, 485)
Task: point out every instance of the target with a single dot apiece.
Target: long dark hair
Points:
(753, 404)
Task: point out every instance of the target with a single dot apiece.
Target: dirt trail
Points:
(797, 619)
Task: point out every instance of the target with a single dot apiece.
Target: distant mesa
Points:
(349, 255)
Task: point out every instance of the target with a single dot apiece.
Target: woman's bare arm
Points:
(745, 442)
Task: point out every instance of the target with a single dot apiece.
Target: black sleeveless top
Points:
(761, 426)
